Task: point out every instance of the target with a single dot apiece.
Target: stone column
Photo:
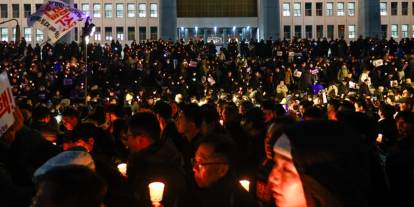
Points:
(205, 34)
(369, 19)
(269, 19)
(168, 19)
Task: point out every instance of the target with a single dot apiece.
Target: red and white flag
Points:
(56, 18)
(7, 104)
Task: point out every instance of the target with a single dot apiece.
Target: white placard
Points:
(297, 73)
(279, 53)
(377, 63)
(7, 104)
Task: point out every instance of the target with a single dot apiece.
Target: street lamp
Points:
(88, 30)
(17, 29)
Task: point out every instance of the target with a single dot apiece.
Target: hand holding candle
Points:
(122, 168)
(156, 190)
(245, 184)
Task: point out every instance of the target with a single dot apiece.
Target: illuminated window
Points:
(154, 10)
(142, 10)
(97, 10)
(119, 10)
(351, 31)
(4, 33)
(85, 9)
(108, 33)
(296, 10)
(108, 10)
(120, 33)
(340, 9)
(394, 31)
(131, 10)
(404, 31)
(39, 36)
(329, 9)
(28, 34)
(286, 9)
(351, 9)
(383, 8)
(97, 34)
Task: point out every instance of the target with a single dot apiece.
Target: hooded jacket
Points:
(333, 164)
(161, 162)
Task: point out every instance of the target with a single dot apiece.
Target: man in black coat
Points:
(154, 160)
(214, 175)
(399, 163)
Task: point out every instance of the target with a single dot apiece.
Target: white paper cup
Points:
(122, 168)
(245, 184)
(156, 190)
(379, 138)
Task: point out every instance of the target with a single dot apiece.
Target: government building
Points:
(220, 20)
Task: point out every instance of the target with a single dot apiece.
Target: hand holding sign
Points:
(10, 134)
(7, 104)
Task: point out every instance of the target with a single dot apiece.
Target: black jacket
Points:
(400, 171)
(227, 192)
(334, 165)
(160, 163)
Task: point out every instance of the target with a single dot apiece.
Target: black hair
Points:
(223, 146)
(406, 116)
(84, 131)
(335, 103)
(269, 105)
(40, 112)
(116, 109)
(209, 113)
(314, 112)
(145, 123)
(387, 110)
(163, 109)
(247, 105)
(192, 112)
(70, 111)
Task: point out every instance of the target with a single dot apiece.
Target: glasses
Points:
(199, 165)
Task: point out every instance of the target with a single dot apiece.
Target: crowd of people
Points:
(306, 122)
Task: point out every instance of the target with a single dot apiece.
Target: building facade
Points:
(397, 19)
(128, 20)
(122, 20)
(319, 19)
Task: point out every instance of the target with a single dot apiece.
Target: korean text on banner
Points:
(7, 104)
(56, 18)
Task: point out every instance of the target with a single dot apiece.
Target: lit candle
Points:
(379, 138)
(156, 191)
(245, 184)
(122, 168)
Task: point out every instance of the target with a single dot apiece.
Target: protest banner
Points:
(7, 104)
(377, 63)
(56, 18)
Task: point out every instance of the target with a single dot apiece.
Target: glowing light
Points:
(156, 192)
(245, 184)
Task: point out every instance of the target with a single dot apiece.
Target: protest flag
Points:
(56, 18)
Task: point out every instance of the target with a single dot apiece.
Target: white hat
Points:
(64, 159)
(282, 146)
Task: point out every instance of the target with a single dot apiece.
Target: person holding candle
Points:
(152, 160)
(88, 138)
(319, 163)
(214, 174)
(71, 185)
